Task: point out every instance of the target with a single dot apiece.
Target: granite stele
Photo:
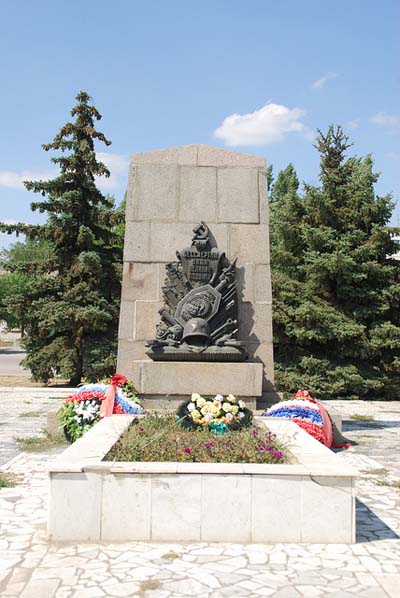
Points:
(196, 291)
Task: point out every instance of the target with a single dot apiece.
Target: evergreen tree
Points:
(73, 309)
(336, 290)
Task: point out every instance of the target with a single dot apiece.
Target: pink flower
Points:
(228, 444)
(141, 429)
(261, 447)
(254, 432)
(187, 450)
(208, 444)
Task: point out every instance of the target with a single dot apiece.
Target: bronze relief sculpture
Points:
(199, 319)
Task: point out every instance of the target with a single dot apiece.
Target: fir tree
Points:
(336, 290)
(72, 315)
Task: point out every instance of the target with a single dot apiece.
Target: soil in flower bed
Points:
(161, 438)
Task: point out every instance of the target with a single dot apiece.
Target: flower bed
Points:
(310, 499)
(162, 438)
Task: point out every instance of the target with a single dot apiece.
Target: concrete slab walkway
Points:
(31, 567)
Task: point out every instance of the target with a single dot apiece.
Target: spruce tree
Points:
(72, 316)
(336, 290)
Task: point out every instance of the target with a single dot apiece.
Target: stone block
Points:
(282, 523)
(166, 239)
(264, 353)
(249, 243)
(207, 378)
(181, 155)
(198, 194)
(129, 351)
(263, 196)
(139, 281)
(137, 242)
(230, 522)
(262, 283)
(317, 525)
(238, 195)
(130, 194)
(217, 156)
(175, 512)
(156, 193)
(132, 494)
(245, 278)
(255, 322)
(126, 320)
(73, 494)
(146, 319)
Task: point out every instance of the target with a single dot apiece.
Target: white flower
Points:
(231, 398)
(195, 397)
(219, 398)
(229, 416)
(242, 404)
(241, 415)
(191, 407)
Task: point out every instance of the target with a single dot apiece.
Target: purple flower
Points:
(141, 429)
(254, 432)
(261, 447)
(228, 444)
(208, 444)
(278, 454)
(271, 448)
(187, 450)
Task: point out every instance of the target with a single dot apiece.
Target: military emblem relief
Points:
(199, 317)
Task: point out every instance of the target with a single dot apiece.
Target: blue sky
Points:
(257, 76)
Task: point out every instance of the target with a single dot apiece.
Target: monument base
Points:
(166, 383)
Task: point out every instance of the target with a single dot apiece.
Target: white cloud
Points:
(14, 180)
(387, 121)
(321, 82)
(118, 166)
(267, 125)
(353, 124)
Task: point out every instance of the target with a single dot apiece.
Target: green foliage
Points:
(72, 304)
(336, 291)
(161, 438)
(23, 263)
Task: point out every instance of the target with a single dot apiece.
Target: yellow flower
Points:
(200, 402)
(217, 404)
(226, 407)
(242, 404)
(195, 415)
(215, 411)
(234, 409)
(231, 398)
(195, 397)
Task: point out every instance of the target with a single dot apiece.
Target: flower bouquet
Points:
(307, 413)
(218, 414)
(91, 402)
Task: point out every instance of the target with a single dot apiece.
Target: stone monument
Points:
(196, 319)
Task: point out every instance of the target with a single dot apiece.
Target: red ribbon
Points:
(107, 405)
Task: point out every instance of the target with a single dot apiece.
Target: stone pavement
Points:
(30, 567)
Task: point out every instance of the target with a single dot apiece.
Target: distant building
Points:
(396, 239)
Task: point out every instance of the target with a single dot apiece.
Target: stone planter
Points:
(309, 500)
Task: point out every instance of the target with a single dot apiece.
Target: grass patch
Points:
(389, 484)
(160, 438)
(30, 414)
(170, 555)
(149, 584)
(8, 480)
(6, 344)
(362, 418)
(37, 444)
(377, 471)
